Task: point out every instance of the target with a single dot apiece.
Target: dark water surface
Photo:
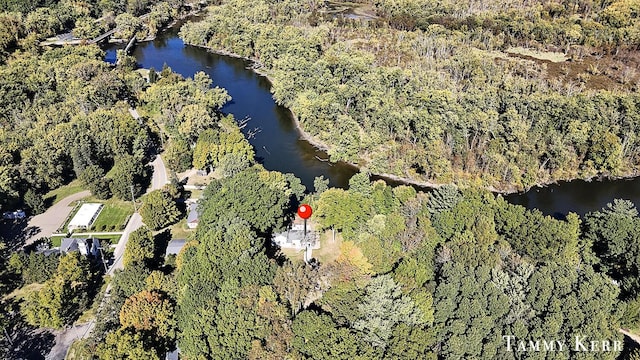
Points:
(278, 145)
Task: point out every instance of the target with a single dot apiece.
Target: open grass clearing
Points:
(555, 57)
(113, 216)
(180, 230)
(54, 196)
(56, 240)
(24, 291)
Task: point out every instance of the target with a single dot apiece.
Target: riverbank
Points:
(508, 189)
(317, 143)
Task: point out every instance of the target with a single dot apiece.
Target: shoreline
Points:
(424, 185)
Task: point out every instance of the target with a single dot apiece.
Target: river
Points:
(279, 147)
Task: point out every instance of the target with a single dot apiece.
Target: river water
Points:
(279, 147)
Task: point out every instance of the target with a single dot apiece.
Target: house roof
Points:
(174, 246)
(193, 213)
(71, 244)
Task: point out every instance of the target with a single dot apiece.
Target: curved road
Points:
(48, 222)
(158, 181)
(65, 338)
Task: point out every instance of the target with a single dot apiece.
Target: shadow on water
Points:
(276, 141)
(278, 145)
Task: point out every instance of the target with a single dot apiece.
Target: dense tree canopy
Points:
(429, 92)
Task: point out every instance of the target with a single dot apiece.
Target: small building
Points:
(174, 246)
(85, 217)
(87, 246)
(192, 218)
(294, 237)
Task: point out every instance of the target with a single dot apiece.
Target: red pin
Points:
(305, 211)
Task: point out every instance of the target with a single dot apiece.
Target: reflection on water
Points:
(277, 143)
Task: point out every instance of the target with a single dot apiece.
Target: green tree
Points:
(178, 155)
(443, 198)
(343, 210)
(384, 307)
(93, 177)
(149, 310)
(126, 344)
(158, 210)
(320, 184)
(35, 202)
(140, 247)
(127, 173)
(254, 195)
(295, 283)
(319, 337)
(614, 231)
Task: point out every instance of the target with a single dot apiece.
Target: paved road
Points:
(159, 178)
(49, 221)
(135, 222)
(66, 337)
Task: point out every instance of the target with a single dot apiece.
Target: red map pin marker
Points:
(305, 211)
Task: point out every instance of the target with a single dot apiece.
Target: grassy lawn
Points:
(22, 292)
(54, 196)
(181, 231)
(329, 249)
(56, 241)
(195, 194)
(113, 216)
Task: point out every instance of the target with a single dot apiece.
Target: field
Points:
(113, 216)
(181, 231)
(54, 196)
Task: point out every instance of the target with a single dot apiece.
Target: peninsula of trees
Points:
(501, 94)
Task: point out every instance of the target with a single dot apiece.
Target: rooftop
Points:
(85, 216)
(193, 213)
(174, 246)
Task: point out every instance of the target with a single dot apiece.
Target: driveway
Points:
(65, 338)
(47, 223)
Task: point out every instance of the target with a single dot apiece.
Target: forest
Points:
(419, 89)
(503, 95)
(445, 274)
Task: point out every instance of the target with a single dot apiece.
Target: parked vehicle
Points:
(13, 215)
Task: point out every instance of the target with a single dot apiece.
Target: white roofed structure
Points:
(85, 217)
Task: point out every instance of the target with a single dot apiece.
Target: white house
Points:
(295, 238)
(86, 247)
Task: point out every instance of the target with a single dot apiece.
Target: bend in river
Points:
(279, 146)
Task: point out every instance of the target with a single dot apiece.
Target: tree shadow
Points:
(26, 341)
(16, 233)
(34, 345)
(161, 241)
